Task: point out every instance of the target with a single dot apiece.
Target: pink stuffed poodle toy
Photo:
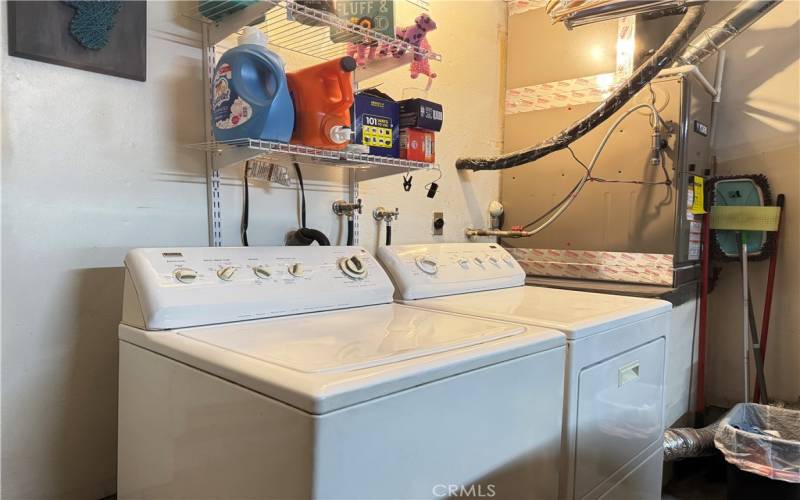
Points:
(413, 35)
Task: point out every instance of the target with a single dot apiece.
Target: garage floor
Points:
(697, 479)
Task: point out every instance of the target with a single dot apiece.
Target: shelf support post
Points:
(214, 199)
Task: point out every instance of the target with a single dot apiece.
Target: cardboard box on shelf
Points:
(417, 145)
(421, 113)
(376, 123)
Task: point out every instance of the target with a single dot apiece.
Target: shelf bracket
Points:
(214, 198)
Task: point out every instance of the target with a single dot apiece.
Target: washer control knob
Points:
(508, 260)
(427, 264)
(478, 261)
(226, 273)
(185, 275)
(494, 261)
(296, 270)
(463, 263)
(262, 271)
(353, 267)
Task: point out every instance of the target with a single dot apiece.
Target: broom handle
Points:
(773, 263)
(745, 317)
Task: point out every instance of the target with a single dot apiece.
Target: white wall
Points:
(759, 127)
(93, 165)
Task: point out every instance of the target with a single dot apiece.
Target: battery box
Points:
(376, 121)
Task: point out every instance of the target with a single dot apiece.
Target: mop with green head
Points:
(743, 225)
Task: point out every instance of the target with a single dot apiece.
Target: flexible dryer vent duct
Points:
(687, 442)
(728, 28)
(676, 41)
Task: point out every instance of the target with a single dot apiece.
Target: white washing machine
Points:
(613, 402)
(288, 372)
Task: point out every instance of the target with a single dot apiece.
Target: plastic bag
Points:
(764, 440)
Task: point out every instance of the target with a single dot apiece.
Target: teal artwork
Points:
(377, 15)
(92, 22)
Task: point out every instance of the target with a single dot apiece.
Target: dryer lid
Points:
(577, 314)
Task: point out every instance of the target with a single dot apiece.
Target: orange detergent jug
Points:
(323, 95)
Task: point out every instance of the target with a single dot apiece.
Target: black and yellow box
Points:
(376, 119)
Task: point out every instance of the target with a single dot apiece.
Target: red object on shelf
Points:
(773, 263)
(417, 145)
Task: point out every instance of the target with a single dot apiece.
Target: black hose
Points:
(245, 207)
(350, 230)
(674, 43)
(305, 236)
(388, 234)
(302, 195)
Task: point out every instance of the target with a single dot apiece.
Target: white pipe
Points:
(695, 72)
(718, 75)
(712, 140)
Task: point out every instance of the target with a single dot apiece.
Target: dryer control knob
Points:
(185, 275)
(226, 273)
(296, 270)
(262, 272)
(353, 267)
(427, 264)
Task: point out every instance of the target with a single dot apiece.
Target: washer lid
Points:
(577, 314)
(361, 339)
(325, 361)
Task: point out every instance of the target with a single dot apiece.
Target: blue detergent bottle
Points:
(250, 96)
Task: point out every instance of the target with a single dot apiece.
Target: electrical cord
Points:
(302, 195)
(431, 183)
(562, 205)
(245, 207)
(621, 94)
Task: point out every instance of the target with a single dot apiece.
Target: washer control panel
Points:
(423, 271)
(181, 287)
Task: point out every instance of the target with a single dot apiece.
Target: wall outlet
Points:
(438, 223)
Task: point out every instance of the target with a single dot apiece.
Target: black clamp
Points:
(407, 182)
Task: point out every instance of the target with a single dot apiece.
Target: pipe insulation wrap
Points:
(726, 29)
(686, 442)
(674, 43)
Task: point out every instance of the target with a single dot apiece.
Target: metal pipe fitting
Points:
(341, 207)
(383, 214)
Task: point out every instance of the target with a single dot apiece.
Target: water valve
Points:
(382, 214)
(341, 207)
